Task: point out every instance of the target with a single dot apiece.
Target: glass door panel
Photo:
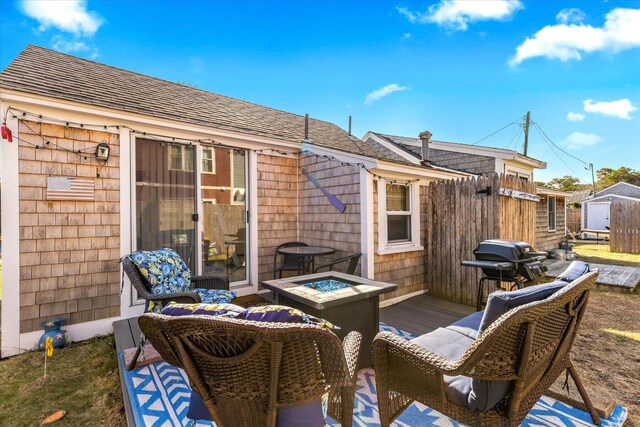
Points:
(165, 198)
(224, 222)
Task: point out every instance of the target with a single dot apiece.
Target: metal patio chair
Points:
(289, 262)
(351, 259)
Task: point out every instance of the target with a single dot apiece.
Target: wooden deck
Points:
(417, 315)
(127, 335)
(611, 277)
(422, 314)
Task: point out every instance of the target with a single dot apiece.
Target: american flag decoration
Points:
(67, 188)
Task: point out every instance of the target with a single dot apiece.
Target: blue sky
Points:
(460, 69)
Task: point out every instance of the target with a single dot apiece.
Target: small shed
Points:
(596, 211)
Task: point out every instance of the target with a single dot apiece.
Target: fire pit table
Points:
(349, 302)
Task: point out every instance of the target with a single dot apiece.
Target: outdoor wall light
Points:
(102, 152)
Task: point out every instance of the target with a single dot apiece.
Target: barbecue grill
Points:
(506, 261)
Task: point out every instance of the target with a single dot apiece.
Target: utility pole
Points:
(526, 132)
(593, 179)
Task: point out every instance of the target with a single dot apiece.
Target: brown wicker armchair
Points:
(528, 347)
(246, 370)
(210, 281)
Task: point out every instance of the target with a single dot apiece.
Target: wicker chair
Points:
(246, 370)
(210, 281)
(529, 347)
(142, 286)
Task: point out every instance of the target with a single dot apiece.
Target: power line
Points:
(515, 138)
(502, 128)
(560, 158)
(554, 144)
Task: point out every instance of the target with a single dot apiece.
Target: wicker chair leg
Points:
(141, 344)
(347, 400)
(583, 393)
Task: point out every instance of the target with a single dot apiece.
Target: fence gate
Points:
(462, 213)
(625, 227)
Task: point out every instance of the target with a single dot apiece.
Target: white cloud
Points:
(621, 108)
(406, 36)
(457, 14)
(575, 117)
(578, 140)
(73, 46)
(570, 16)
(382, 92)
(70, 16)
(570, 38)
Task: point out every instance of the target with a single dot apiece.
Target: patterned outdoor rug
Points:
(160, 393)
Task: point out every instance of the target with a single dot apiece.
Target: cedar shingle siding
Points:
(546, 239)
(69, 250)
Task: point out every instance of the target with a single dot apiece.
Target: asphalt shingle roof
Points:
(53, 74)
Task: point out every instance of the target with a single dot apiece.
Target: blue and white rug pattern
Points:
(160, 393)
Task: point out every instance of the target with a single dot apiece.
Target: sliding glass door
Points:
(169, 186)
(166, 198)
(224, 211)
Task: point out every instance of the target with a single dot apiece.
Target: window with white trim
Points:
(181, 157)
(398, 213)
(551, 210)
(398, 217)
(208, 160)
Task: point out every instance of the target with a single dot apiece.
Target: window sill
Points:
(396, 249)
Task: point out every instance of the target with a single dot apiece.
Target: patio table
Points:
(306, 254)
(353, 308)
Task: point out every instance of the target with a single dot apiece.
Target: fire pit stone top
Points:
(338, 288)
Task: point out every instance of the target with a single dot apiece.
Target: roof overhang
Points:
(497, 153)
(617, 196)
(108, 116)
(386, 168)
(552, 192)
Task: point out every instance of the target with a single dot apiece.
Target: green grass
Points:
(82, 379)
(600, 254)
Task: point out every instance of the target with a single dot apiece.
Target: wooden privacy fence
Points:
(625, 227)
(459, 218)
(573, 220)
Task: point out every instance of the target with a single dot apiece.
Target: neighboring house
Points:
(206, 174)
(551, 218)
(479, 160)
(596, 209)
(472, 159)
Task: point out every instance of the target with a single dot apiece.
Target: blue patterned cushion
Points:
(215, 296)
(163, 269)
(177, 309)
(281, 313)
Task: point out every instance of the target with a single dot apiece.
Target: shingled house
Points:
(479, 160)
(105, 161)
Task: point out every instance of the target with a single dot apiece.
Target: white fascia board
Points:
(552, 192)
(116, 117)
(393, 147)
(620, 183)
(633, 199)
(344, 156)
(406, 171)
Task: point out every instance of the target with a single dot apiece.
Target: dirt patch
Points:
(607, 353)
